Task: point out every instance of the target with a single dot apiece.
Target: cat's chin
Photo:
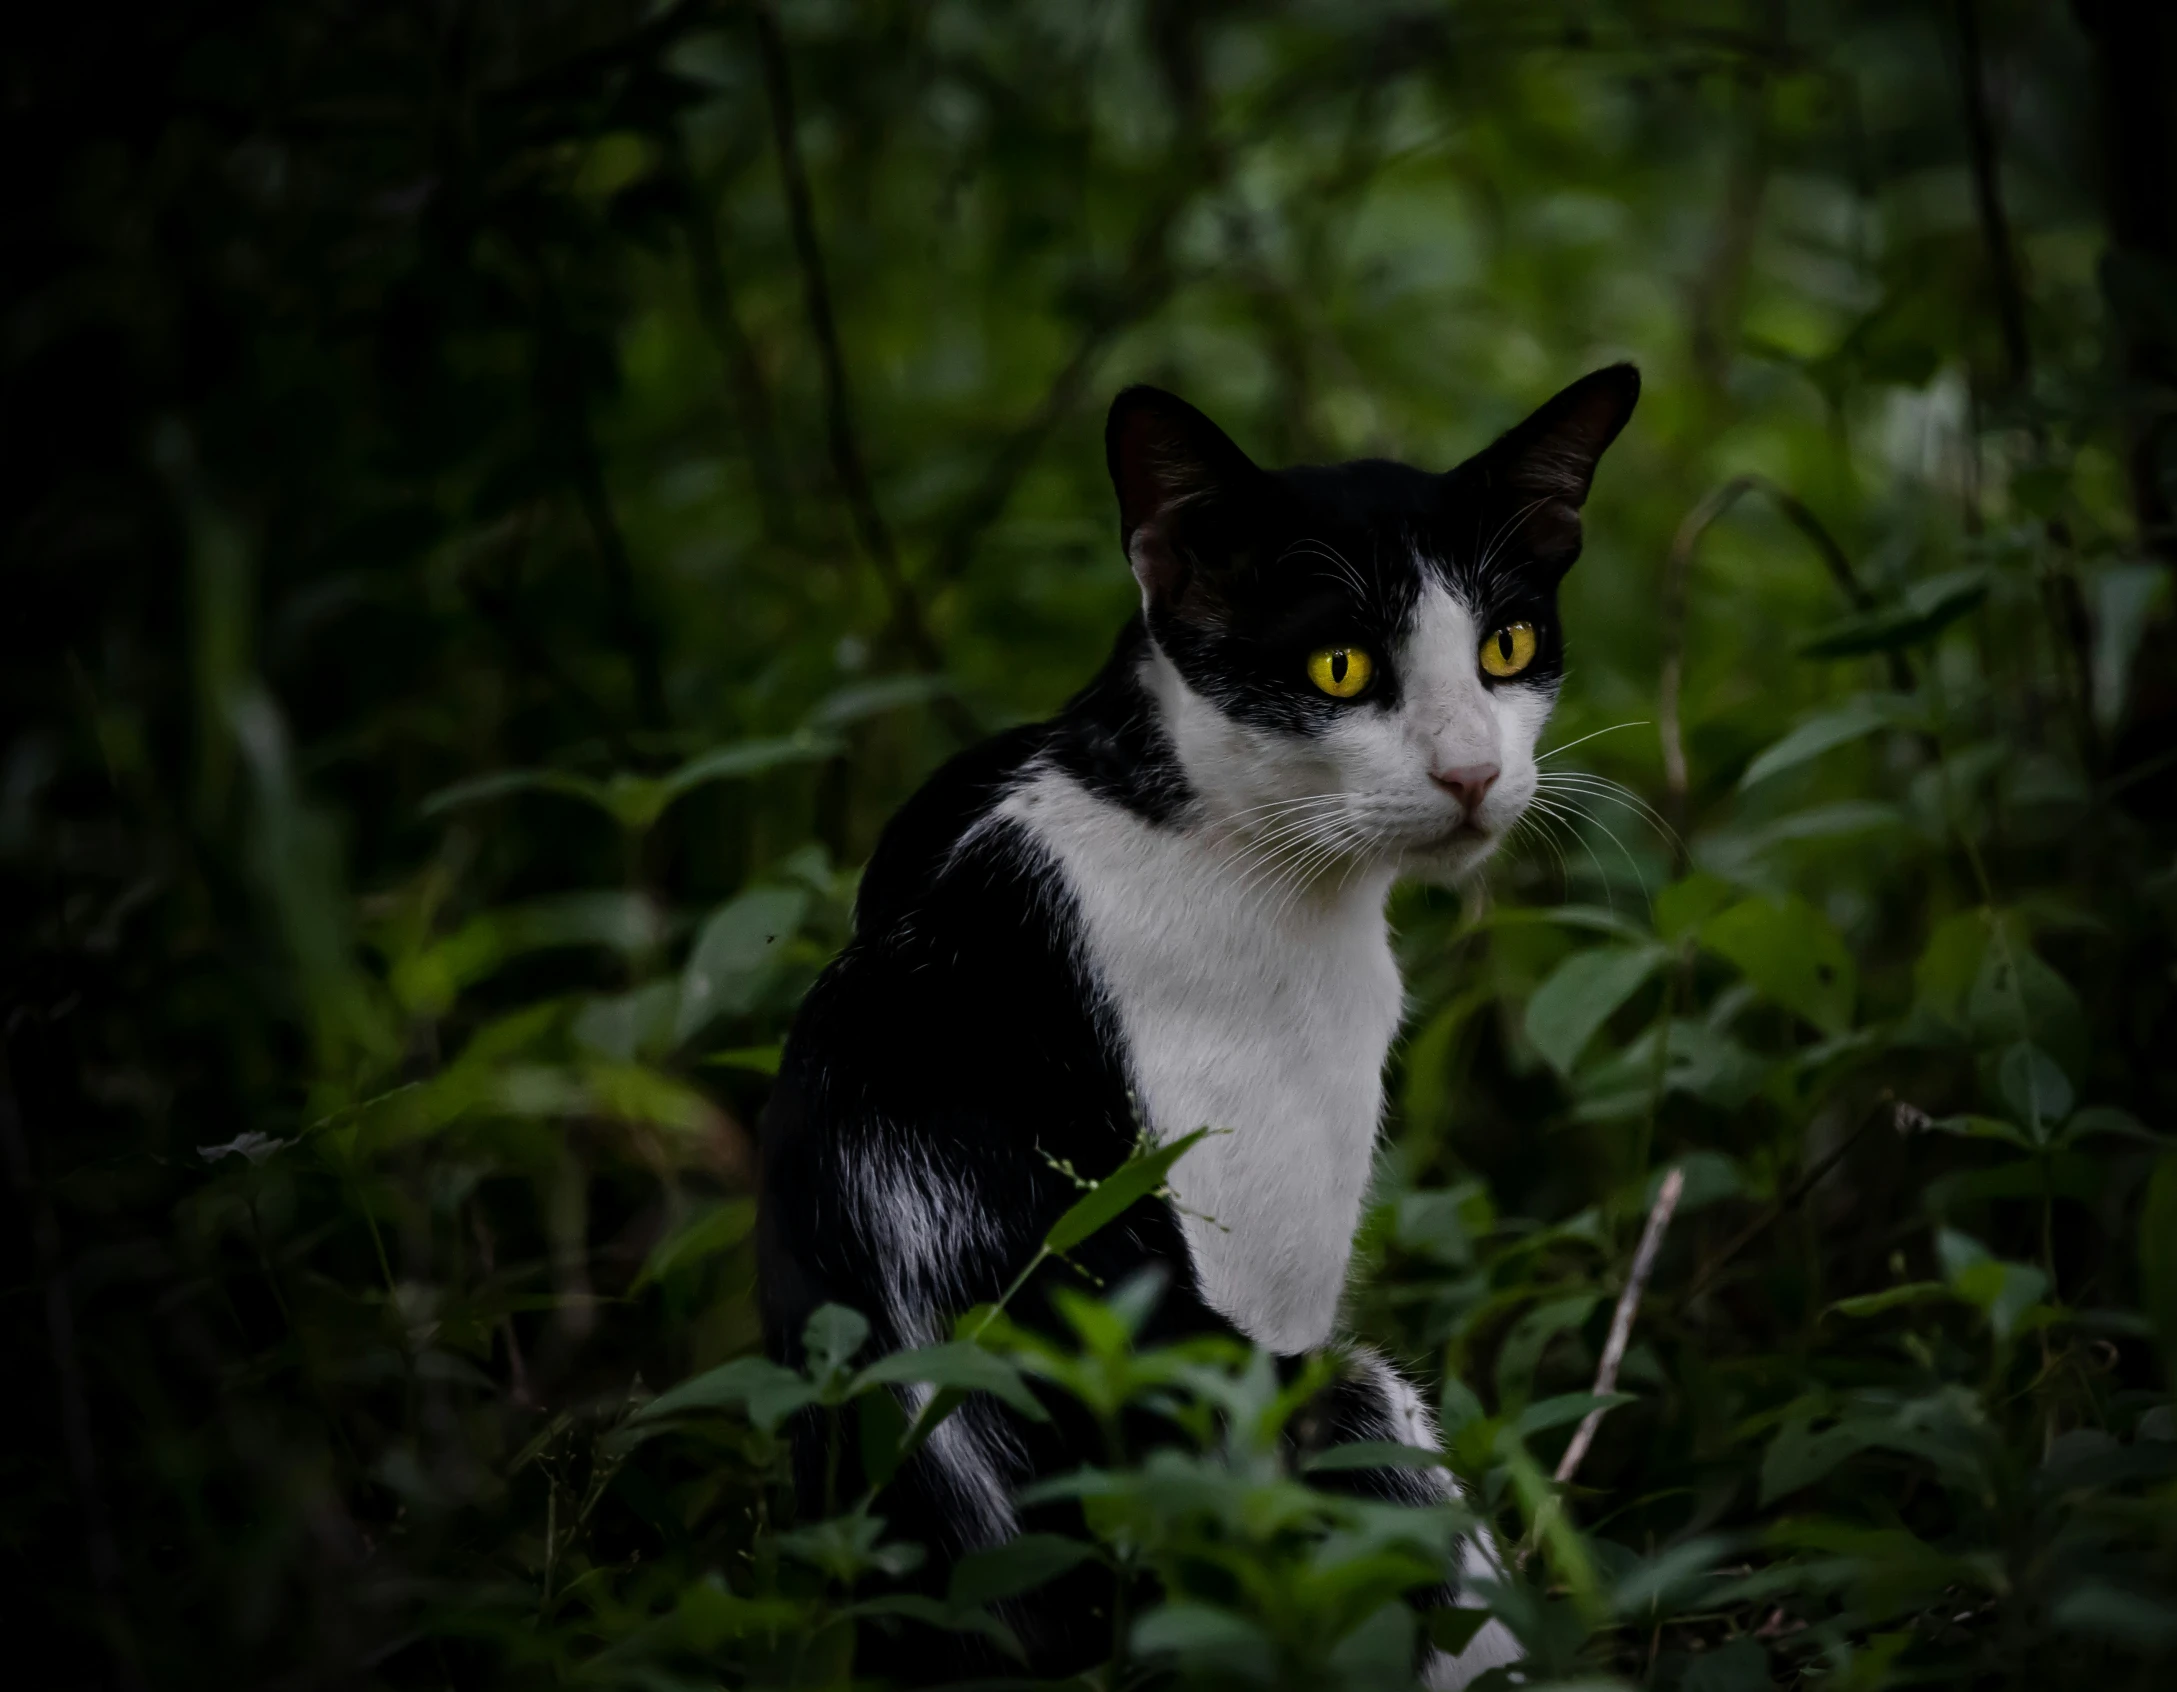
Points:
(1450, 859)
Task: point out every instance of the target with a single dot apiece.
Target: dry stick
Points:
(1621, 1321)
(846, 451)
(1676, 567)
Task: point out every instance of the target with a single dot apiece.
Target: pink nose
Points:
(1467, 783)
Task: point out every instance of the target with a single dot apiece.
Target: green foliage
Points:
(492, 537)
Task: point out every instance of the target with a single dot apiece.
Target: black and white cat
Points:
(1164, 909)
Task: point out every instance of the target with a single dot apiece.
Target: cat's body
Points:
(1164, 909)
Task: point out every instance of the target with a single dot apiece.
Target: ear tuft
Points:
(1166, 458)
(1553, 454)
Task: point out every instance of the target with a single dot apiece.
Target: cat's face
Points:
(1355, 662)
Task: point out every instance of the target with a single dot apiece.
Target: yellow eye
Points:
(1509, 650)
(1340, 671)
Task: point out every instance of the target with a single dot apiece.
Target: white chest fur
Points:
(1245, 1012)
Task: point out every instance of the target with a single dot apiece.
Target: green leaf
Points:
(1799, 1455)
(1581, 993)
(1949, 965)
(955, 1364)
(629, 1025)
(1739, 1665)
(2108, 1120)
(857, 700)
(914, 1606)
(1684, 905)
(1788, 950)
(2018, 997)
(757, 1060)
(735, 956)
(2137, 1620)
(746, 758)
(1433, 1225)
(2003, 1292)
(2037, 1091)
(1566, 1407)
(1645, 1590)
(1452, 1627)
(710, 1231)
(1199, 1631)
(1854, 720)
(1982, 1128)
(478, 790)
(1890, 1298)
(1134, 1180)
(1021, 1564)
(1459, 1406)
(880, 1425)
(1531, 1335)
(831, 1337)
(1926, 609)
(769, 1393)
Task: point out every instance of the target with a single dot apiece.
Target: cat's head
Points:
(1354, 661)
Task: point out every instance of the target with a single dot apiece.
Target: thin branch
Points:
(1621, 1320)
(1901, 1114)
(1995, 226)
(871, 530)
(567, 401)
(751, 393)
(499, 604)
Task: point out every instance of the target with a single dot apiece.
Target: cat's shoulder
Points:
(955, 813)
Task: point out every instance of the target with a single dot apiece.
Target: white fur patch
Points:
(1238, 1009)
(1494, 1645)
(929, 1229)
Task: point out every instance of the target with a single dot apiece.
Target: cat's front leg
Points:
(1370, 1401)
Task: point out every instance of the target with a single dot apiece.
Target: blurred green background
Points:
(502, 500)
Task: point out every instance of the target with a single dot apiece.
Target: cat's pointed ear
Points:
(1184, 492)
(1547, 464)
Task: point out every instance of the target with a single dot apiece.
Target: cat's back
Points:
(941, 1065)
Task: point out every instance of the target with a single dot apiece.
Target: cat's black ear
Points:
(1547, 464)
(1185, 492)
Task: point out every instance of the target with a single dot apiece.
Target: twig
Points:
(1899, 1113)
(1621, 1321)
(870, 528)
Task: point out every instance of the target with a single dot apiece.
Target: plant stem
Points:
(1621, 1320)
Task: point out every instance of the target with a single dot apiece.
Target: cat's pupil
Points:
(1338, 666)
(1504, 644)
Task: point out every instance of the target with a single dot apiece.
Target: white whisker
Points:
(1585, 738)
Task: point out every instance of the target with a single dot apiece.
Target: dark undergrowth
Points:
(502, 500)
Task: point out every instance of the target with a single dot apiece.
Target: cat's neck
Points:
(1139, 738)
